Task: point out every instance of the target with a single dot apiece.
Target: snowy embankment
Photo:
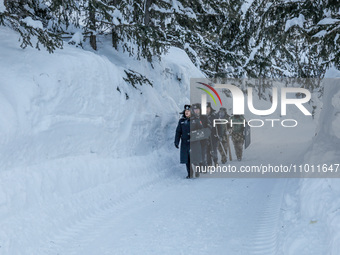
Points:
(86, 159)
(70, 138)
(311, 216)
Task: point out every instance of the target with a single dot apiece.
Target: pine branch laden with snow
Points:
(27, 21)
(223, 38)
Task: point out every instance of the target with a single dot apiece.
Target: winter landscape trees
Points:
(260, 38)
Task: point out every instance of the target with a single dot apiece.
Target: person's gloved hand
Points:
(176, 145)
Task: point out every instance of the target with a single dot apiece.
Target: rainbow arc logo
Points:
(209, 93)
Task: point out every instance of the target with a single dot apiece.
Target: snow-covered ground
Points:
(86, 171)
(311, 208)
(70, 141)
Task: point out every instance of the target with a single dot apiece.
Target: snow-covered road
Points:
(176, 216)
(172, 215)
(85, 170)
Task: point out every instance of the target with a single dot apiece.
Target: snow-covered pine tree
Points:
(201, 28)
(90, 17)
(220, 25)
(65, 16)
(177, 22)
(326, 31)
(98, 18)
(286, 38)
(260, 38)
(139, 33)
(29, 18)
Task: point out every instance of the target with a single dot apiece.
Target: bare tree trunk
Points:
(92, 16)
(147, 12)
(114, 39)
(216, 69)
(93, 41)
(135, 12)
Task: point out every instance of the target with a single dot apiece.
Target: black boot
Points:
(188, 170)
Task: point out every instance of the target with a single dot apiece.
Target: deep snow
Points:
(86, 171)
(70, 141)
(311, 206)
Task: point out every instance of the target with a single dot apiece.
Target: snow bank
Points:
(76, 39)
(320, 198)
(328, 21)
(245, 6)
(298, 21)
(2, 6)
(33, 23)
(311, 222)
(70, 139)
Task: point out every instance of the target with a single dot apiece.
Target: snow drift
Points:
(311, 220)
(72, 130)
(76, 139)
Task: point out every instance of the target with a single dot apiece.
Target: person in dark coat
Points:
(222, 134)
(198, 148)
(183, 135)
(237, 134)
(211, 148)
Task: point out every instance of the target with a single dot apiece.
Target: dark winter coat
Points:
(198, 154)
(210, 122)
(183, 135)
(237, 128)
(223, 128)
(193, 153)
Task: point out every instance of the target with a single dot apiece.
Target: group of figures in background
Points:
(201, 139)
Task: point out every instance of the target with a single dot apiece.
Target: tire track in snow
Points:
(267, 227)
(91, 223)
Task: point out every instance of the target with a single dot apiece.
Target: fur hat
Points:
(209, 105)
(196, 106)
(222, 109)
(222, 113)
(186, 107)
